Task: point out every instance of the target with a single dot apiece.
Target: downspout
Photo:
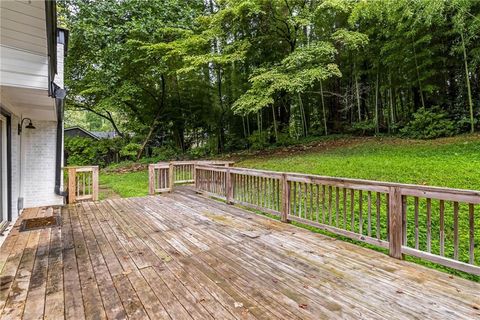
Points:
(59, 102)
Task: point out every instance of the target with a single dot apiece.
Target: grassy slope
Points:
(452, 162)
(132, 184)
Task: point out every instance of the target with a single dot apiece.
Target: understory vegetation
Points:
(197, 78)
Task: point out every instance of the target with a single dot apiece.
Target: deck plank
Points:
(184, 256)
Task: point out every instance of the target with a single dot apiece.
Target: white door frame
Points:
(4, 168)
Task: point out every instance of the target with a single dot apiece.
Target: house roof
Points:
(83, 130)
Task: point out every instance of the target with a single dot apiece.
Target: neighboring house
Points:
(80, 133)
(32, 52)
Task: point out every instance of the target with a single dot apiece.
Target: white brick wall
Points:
(39, 146)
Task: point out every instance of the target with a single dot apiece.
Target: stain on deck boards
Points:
(182, 256)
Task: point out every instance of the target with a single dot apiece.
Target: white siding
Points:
(23, 25)
(23, 69)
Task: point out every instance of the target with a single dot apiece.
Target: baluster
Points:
(416, 223)
(471, 234)
(455, 230)
(360, 212)
(429, 225)
(330, 205)
(442, 227)
(378, 214)
(344, 208)
(352, 210)
(369, 214)
(337, 204)
(323, 203)
(404, 220)
(318, 201)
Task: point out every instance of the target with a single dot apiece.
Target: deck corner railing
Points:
(163, 176)
(82, 183)
(430, 223)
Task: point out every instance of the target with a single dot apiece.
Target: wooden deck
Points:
(182, 256)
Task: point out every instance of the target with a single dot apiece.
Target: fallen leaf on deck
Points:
(303, 306)
(399, 291)
(238, 304)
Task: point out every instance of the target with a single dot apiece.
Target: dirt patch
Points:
(133, 167)
(107, 193)
(39, 223)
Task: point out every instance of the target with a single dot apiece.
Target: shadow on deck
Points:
(182, 256)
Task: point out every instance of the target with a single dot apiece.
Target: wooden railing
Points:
(164, 176)
(435, 224)
(82, 183)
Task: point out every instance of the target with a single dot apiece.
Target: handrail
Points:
(82, 183)
(420, 221)
(163, 176)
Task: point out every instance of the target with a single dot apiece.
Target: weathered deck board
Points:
(182, 256)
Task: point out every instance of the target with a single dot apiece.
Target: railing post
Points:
(395, 223)
(285, 198)
(171, 179)
(151, 179)
(229, 183)
(95, 183)
(72, 185)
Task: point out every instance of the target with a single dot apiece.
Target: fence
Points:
(162, 177)
(435, 224)
(82, 183)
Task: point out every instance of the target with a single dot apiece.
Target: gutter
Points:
(59, 103)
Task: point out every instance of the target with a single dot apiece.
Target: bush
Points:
(165, 153)
(130, 151)
(363, 128)
(429, 124)
(258, 140)
(85, 151)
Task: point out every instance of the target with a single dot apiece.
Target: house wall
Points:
(39, 152)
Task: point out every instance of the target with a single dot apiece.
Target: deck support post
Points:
(229, 184)
(395, 235)
(151, 179)
(72, 184)
(171, 173)
(285, 198)
(95, 183)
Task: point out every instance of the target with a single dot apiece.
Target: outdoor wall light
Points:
(29, 125)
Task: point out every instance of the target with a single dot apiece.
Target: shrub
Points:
(363, 128)
(429, 124)
(165, 153)
(258, 140)
(130, 150)
(85, 151)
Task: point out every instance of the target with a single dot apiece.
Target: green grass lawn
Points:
(451, 162)
(132, 184)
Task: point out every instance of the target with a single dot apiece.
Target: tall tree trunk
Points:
(357, 93)
(418, 76)
(467, 80)
(323, 109)
(275, 124)
(302, 114)
(390, 95)
(377, 128)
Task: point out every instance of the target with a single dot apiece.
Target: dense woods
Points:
(214, 76)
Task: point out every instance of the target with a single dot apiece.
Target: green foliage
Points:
(130, 150)
(363, 128)
(429, 124)
(258, 140)
(165, 153)
(85, 151)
